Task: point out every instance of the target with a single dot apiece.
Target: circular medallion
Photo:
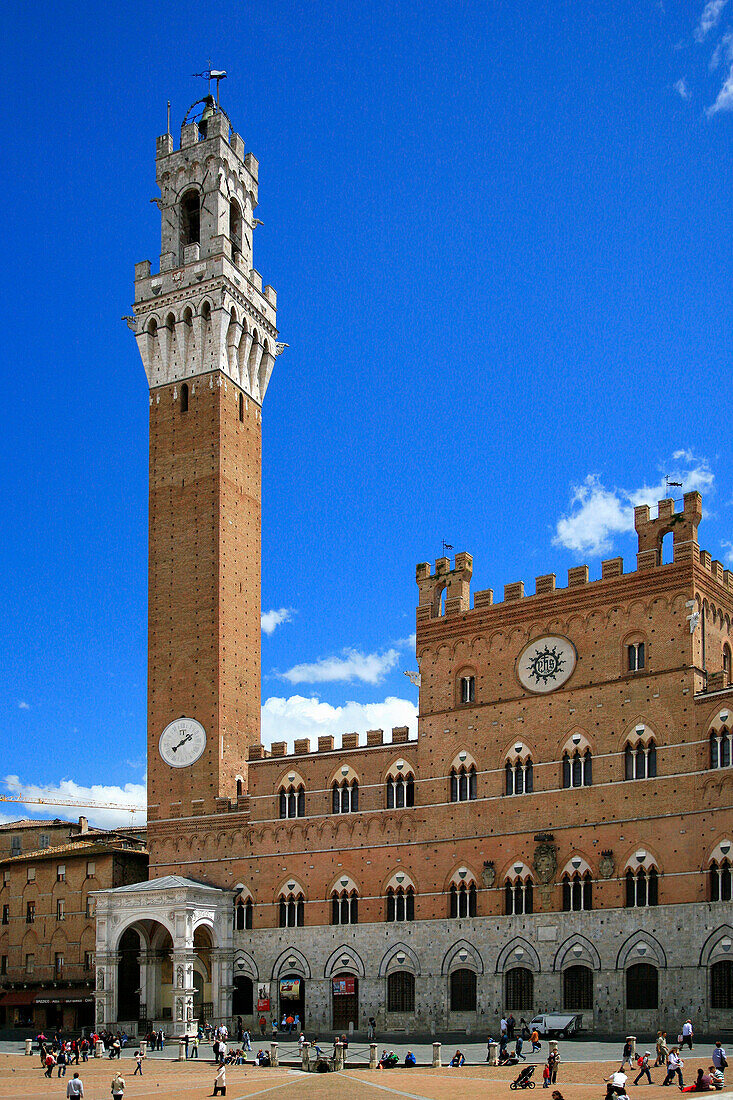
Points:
(546, 664)
(182, 742)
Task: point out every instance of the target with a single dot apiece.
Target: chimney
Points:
(83, 825)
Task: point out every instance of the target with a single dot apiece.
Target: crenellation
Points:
(375, 737)
(612, 567)
(514, 591)
(350, 741)
(577, 575)
(278, 748)
(544, 585)
(325, 743)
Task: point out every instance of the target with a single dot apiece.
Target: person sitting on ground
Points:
(263, 1058)
(717, 1077)
(458, 1059)
(703, 1083)
(410, 1059)
(388, 1061)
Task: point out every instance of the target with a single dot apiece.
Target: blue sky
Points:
(500, 236)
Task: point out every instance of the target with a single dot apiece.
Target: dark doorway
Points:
(128, 977)
(345, 998)
(242, 997)
(291, 989)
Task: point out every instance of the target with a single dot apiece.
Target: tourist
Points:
(504, 1027)
(290, 1023)
(662, 1050)
(616, 1084)
(50, 1063)
(511, 1023)
(372, 1029)
(720, 1059)
(220, 1082)
(687, 1033)
(519, 1043)
(410, 1059)
(246, 1041)
(263, 1026)
(296, 1022)
(535, 1040)
(557, 1095)
(643, 1064)
(675, 1065)
(284, 1026)
(344, 1046)
(546, 1076)
(222, 1052)
(118, 1086)
(75, 1088)
(138, 1064)
(626, 1054)
(458, 1059)
(703, 1083)
(61, 1061)
(194, 1046)
(185, 1044)
(716, 1076)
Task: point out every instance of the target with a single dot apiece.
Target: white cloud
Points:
(728, 548)
(370, 668)
(723, 50)
(298, 716)
(132, 794)
(22, 705)
(407, 643)
(597, 513)
(710, 18)
(681, 88)
(724, 102)
(271, 620)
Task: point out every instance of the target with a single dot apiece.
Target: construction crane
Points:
(91, 804)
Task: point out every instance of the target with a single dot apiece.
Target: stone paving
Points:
(23, 1077)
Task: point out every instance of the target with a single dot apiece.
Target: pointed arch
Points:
(453, 959)
(566, 956)
(508, 957)
(336, 963)
(652, 951)
(391, 960)
(291, 961)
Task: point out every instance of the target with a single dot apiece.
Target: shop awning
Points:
(16, 997)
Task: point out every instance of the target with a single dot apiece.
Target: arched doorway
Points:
(128, 976)
(291, 991)
(345, 1001)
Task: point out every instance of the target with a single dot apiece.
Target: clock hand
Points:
(174, 748)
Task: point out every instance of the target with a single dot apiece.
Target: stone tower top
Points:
(206, 309)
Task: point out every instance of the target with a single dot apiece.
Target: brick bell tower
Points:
(207, 335)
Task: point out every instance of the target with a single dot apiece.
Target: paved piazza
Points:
(23, 1077)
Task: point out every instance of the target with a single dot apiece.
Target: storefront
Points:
(345, 1002)
(68, 1010)
(292, 998)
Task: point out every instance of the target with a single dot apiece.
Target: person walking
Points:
(50, 1063)
(535, 1040)
(643, 1065)
(687, 1033)
(662, 1050)
(75, 1087)
(546, 1076)
(263, 1026)
(138, 1064)
(519, 1043)
(720, 1059)
(61, 1062)
(118, 1086)
(626, 1054)
(675, 1065)
(194, 1046)
(220, 1082)
(372, 1029)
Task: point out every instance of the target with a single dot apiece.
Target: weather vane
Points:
(213, 74)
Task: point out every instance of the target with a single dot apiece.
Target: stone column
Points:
(338, 1058)
(29, 1046)
(181, 1050)
(436, 1056)
(493, 1054)
(373, 1063)
(143, 1048)
(183, 989)
(105, 993)
(305, 1057)
(274, 1060)
(148, 961)
(632, 1039)
(222, 982)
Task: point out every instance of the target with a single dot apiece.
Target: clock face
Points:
(182, 742)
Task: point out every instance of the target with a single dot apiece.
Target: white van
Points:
(556, 1023)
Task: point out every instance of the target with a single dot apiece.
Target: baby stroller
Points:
(524, 1081)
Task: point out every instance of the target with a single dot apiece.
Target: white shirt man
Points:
(618, 1081)
(503, 1026)
(75, 1088)
(687, 1033)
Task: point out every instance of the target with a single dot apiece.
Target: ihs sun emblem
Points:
(545, 664)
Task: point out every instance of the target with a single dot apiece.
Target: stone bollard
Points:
(181, 1050)
(338, 1057)
(305, 1057)
(373, 1060)
(274, 1062)
(436, 1056)
(29, 1046)
(552, 1044)
(632, 1039)
(99, 1049)
(493, 1054)
(143, 1047)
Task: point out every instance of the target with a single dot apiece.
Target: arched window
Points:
(721, 745)
(190, 218)
(242, 913)
(462, 899)
(292, 801)
(401, 991)
(577, 891)
(235, 226)
(241, 408)
(345, 797)
(400, 788)
(519, 989)
(519, 775)
(727, 670)
(640, 759)
(720, 880)
(642, 986)
(400, 904)
(642, 887)
(721, 984)
(463, 784)
(344, 907)
(463, 990)
(184, 397)
(240, 788)
(518, 895)
(635, 656)
(577, 988)
(577, 768)
(292, 909)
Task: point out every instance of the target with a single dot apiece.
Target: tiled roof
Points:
(89, 845)
(167, 882)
